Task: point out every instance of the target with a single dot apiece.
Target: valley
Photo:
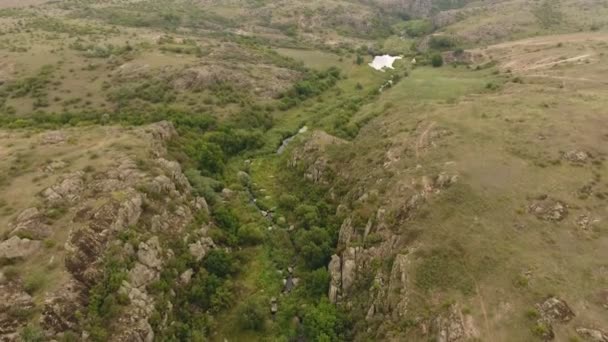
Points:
(176, 170)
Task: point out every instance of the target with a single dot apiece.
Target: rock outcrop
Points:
(16, 307)
(335, 272)
(60, 311)
(141, 201)
(68, 190)
(199, 249)
(312, 160)
(53, 137)
(576, 156)
(592, 335)
(455, 326)
(16, 248)
(552, 310)
(548, 209)
(30, 223)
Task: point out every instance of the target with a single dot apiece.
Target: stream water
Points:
(286, 141)
(385, 61)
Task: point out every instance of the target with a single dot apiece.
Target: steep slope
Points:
(478, 215)
(483, 23)
(99, 196)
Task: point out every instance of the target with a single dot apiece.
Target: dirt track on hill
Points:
(554, 39)
(20, 3)
(543, 53)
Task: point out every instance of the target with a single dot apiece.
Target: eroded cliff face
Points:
(416, 8)
(371, 273)
(381, 199)
(124, 207)
(420, 8)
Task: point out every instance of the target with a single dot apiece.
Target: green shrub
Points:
(252, 315)
(34, 282)
(222, 298)
(316, 282)
(226, 219)
(287, 202)
(548, 13)
(315, 246)
(532, 314)
(314, 84)
(543, 330)
(32, 333)
(250, 234)
(436, 60)
(441, 43)
(322, 322)
(202, 288)
(219, 263)
(234, 141)
(418, 28)
(308, 215)
(203, 186)
(69, 336)
(48, 243)
(210, 159)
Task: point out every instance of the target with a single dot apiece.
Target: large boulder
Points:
(162, 185)
(200, 248)
(30, 223)
(129, 212)
(174, 171)
(67, 190)
(593, 335)
(554, 309)
(186, 276)
(141, 275)
(199, 203)
(576, 156)
(148, 253)
(53, 137)
(17, 248)
(548, 209)
(161, 131)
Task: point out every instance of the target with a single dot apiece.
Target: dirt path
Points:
(544, 52)
(483, 309)
(566, 78)
(422, 140)
(554, 39)
(20, 3)
(549, 64)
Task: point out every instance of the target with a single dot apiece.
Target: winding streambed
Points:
(286, 141)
